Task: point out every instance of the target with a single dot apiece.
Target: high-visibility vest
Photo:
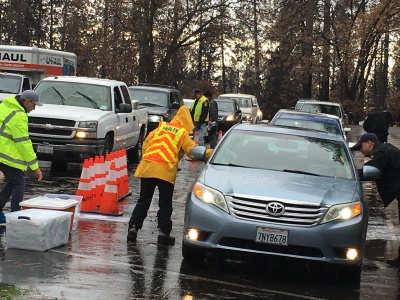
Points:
(198, 109)
(16, 147)
(164, 147)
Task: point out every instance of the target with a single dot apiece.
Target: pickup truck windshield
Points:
(75, 94)
(9, 84)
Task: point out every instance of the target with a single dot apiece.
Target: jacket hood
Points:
(12, 102)
(184, 118)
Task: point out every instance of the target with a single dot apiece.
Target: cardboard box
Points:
(44, 202)
(37, 229)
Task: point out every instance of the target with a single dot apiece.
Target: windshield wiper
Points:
(230, 165)
(150, 104)
(59, 94)
(90, 100)
(5, 91)
(300, 172)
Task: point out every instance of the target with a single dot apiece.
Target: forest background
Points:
(345, 51)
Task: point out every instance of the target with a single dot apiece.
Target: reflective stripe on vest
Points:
(164, 147)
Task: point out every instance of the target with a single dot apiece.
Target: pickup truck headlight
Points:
(155, 119)
(88, 124)
(343, 212)
(210, 196)
(87, 130)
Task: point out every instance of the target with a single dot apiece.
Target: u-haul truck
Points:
(21, 68)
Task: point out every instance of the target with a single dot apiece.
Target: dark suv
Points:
(158, 99)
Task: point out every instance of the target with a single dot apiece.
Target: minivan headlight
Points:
(155, 119)
(343, 212)
(210, 196)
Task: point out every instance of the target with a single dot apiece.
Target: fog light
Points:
(351, 253)
(192, 234)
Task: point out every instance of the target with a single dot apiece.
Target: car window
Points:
(322, 108)
(289, 153)
(324, 127)
(149, 97)
(75, 94)
(226, 106)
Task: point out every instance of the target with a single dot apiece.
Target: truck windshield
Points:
(75, 94)
(9, 84)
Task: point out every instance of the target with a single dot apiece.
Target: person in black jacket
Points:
(386, 158)
(376, 122)
(213, 120)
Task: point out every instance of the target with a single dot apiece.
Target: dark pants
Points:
(212, 136)
(14, 187)
(147, 188)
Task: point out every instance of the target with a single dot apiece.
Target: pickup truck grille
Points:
(34, 121)
(295, 214)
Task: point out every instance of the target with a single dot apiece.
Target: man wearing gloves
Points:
(16, 151)
(162, 151)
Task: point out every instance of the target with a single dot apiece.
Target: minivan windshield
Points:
(149, 98)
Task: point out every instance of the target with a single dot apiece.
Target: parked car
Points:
(248, 105)
(229, 113)
(280, 192)
(331, 108)
(162, 102)
(300, 119)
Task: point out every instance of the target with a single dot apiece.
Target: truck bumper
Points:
(69, 150)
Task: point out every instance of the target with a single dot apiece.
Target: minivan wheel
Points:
(192, 253)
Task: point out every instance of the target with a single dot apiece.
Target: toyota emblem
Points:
(275, 208)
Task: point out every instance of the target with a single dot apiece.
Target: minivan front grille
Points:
(295, 213)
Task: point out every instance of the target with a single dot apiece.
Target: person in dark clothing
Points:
(386, 158)
(213, 120)
(389, 117)
(376, 122)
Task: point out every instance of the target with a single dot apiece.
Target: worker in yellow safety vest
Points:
(16, 151)
(163, 148)
(200, 114)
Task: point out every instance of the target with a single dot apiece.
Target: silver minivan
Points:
(248, 105)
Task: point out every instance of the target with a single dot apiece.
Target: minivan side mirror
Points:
(175, 105)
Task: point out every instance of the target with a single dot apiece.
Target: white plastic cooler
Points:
(37, 229)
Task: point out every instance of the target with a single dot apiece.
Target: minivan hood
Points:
(156, 110)
(66, 112)
(280, 185)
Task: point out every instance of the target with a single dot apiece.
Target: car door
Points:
(124, 133)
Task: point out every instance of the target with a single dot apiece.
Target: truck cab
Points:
(83, 117)
(12, 84)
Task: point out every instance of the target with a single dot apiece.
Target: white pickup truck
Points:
(83, 117)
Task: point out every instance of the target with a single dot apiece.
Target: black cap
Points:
(371, 104)
(207, 94)
(197, 91)
(365, 138)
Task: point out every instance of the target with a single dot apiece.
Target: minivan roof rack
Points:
(157, 85)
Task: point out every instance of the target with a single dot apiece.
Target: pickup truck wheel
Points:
(135, 154)
(108, 144)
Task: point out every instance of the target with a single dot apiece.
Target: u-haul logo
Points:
(13, 57)
(54, 61)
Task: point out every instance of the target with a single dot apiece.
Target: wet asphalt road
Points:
(97, 262)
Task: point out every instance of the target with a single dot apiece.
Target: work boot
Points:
(2, 218)
(394, 262)
(132, 234)
(165, 239)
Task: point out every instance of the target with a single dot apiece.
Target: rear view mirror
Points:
(175, 105)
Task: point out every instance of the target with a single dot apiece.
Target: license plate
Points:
(272, 236)
(45, 149)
